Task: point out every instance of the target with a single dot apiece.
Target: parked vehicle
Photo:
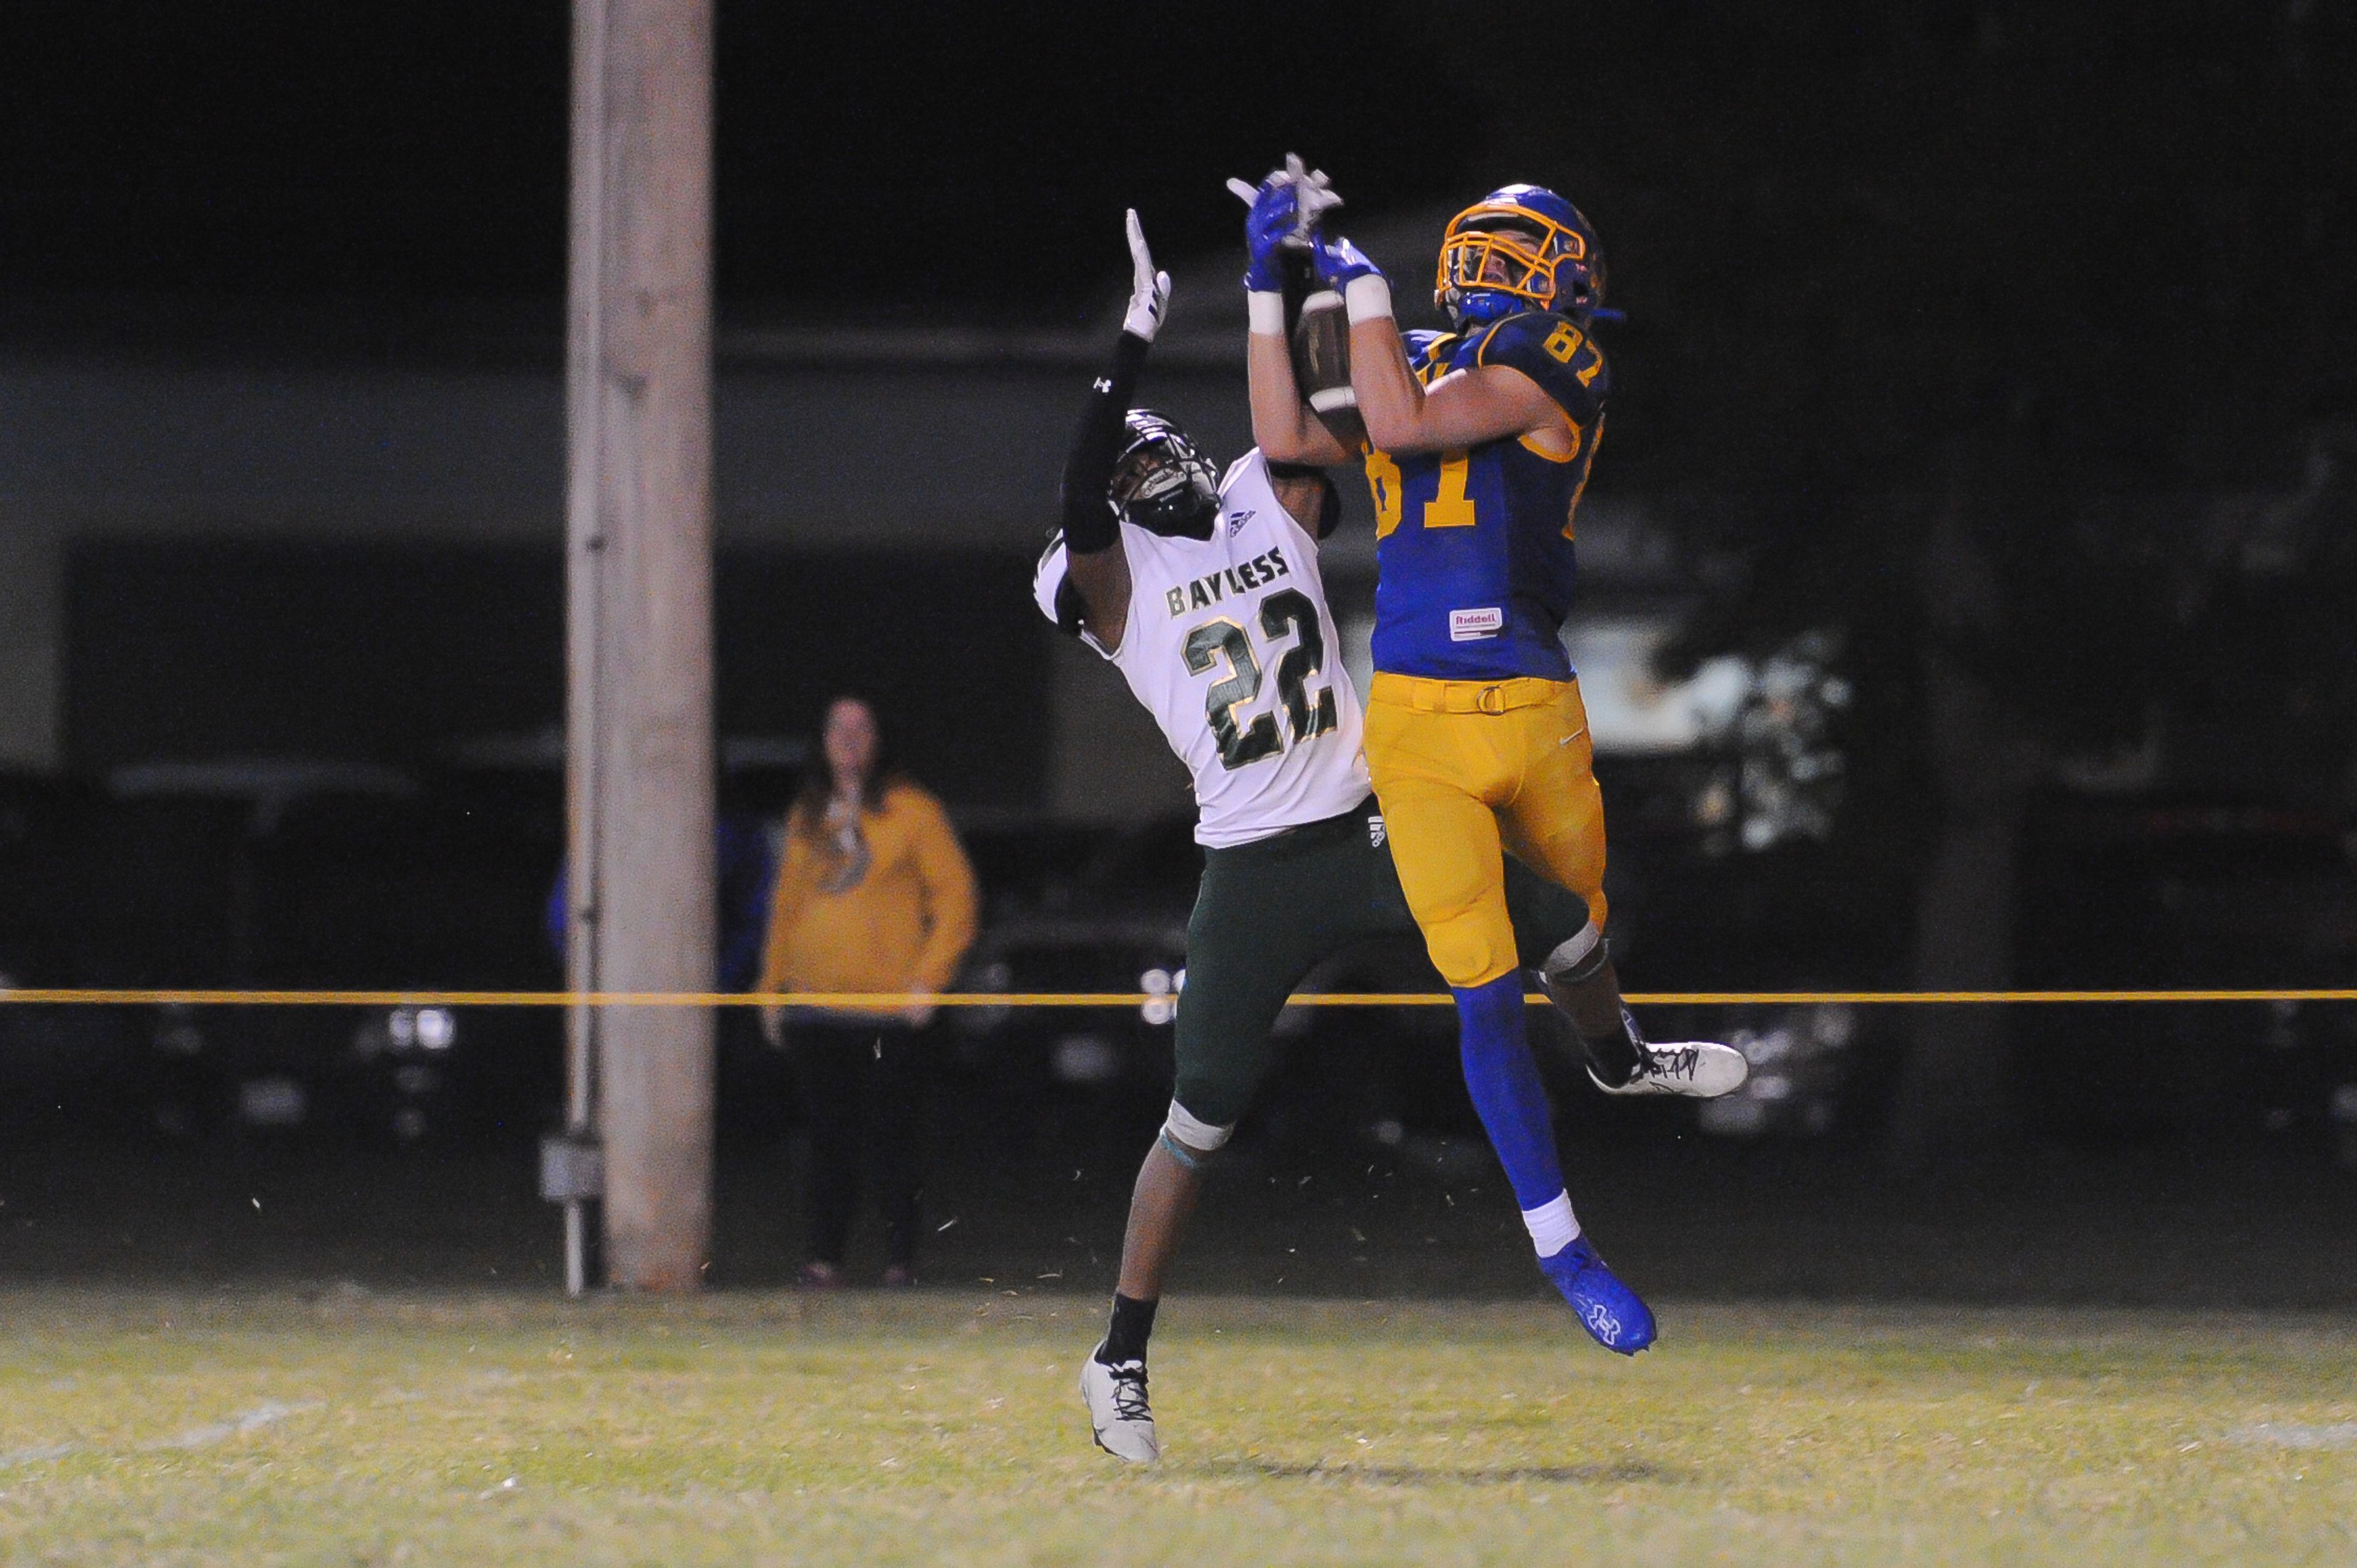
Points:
(78, 1062)
(2112, 892)
(1076, 910)
(299, 874)
(2188, 892)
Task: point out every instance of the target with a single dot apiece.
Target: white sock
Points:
(1552, 1225)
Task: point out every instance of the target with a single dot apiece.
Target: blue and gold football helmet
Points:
(1522, 247)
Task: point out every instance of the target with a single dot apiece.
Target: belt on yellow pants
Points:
(1427, 695)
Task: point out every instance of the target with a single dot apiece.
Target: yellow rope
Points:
(888, 1000)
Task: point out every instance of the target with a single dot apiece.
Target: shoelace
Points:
(1678, 1061)
(1129, 1391)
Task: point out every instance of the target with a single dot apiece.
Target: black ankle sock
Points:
(1614, 1056)
(1132, 1325)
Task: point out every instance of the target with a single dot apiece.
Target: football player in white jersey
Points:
(1203, 590)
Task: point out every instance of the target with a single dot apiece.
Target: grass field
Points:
(942, 1428)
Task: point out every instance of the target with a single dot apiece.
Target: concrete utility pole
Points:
(639, 766)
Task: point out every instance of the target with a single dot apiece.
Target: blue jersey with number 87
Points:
(1473, 548)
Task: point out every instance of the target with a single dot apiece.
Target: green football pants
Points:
(1269, 912)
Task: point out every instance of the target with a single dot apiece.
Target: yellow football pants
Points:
(1464, 770)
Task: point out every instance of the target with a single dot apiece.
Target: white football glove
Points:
(1149, 291)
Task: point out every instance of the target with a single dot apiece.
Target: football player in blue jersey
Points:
(1478, 446)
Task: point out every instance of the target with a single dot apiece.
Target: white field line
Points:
(2291, 1435)
(36, 1455)
(253, 1420)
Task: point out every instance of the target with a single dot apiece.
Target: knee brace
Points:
(1612, 1055)
(1190, 1140)
(1579, 958)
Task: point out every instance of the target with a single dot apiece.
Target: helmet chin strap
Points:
(1480, 306)
(1195, 521)
(1199, 523)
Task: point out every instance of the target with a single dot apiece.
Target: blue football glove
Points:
(1339, 262)
(1266, 228)
(1284, 209)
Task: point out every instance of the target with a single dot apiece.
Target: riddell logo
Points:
(1472, 626)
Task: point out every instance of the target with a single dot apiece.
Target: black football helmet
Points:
(1161, 482)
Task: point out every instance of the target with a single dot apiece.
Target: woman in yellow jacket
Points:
(874, 895)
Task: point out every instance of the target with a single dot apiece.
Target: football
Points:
(1321, 353)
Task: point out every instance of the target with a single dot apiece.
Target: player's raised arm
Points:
(1098, 569)
(1462, 409)
(1283, 426)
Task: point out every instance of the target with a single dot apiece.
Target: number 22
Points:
(1308, 712)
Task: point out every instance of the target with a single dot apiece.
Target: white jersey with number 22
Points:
(1229, 645)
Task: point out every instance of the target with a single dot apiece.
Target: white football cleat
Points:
(1115, 1396)
(1698, 1070)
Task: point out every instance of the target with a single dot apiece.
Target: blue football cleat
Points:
(1608, 1309)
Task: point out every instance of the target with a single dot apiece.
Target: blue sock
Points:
(1503, 1077)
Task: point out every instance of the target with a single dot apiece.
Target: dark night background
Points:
(2108, 242)
(2062, 196)
(2012, 347)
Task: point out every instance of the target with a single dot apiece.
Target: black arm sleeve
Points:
(1090, 524)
